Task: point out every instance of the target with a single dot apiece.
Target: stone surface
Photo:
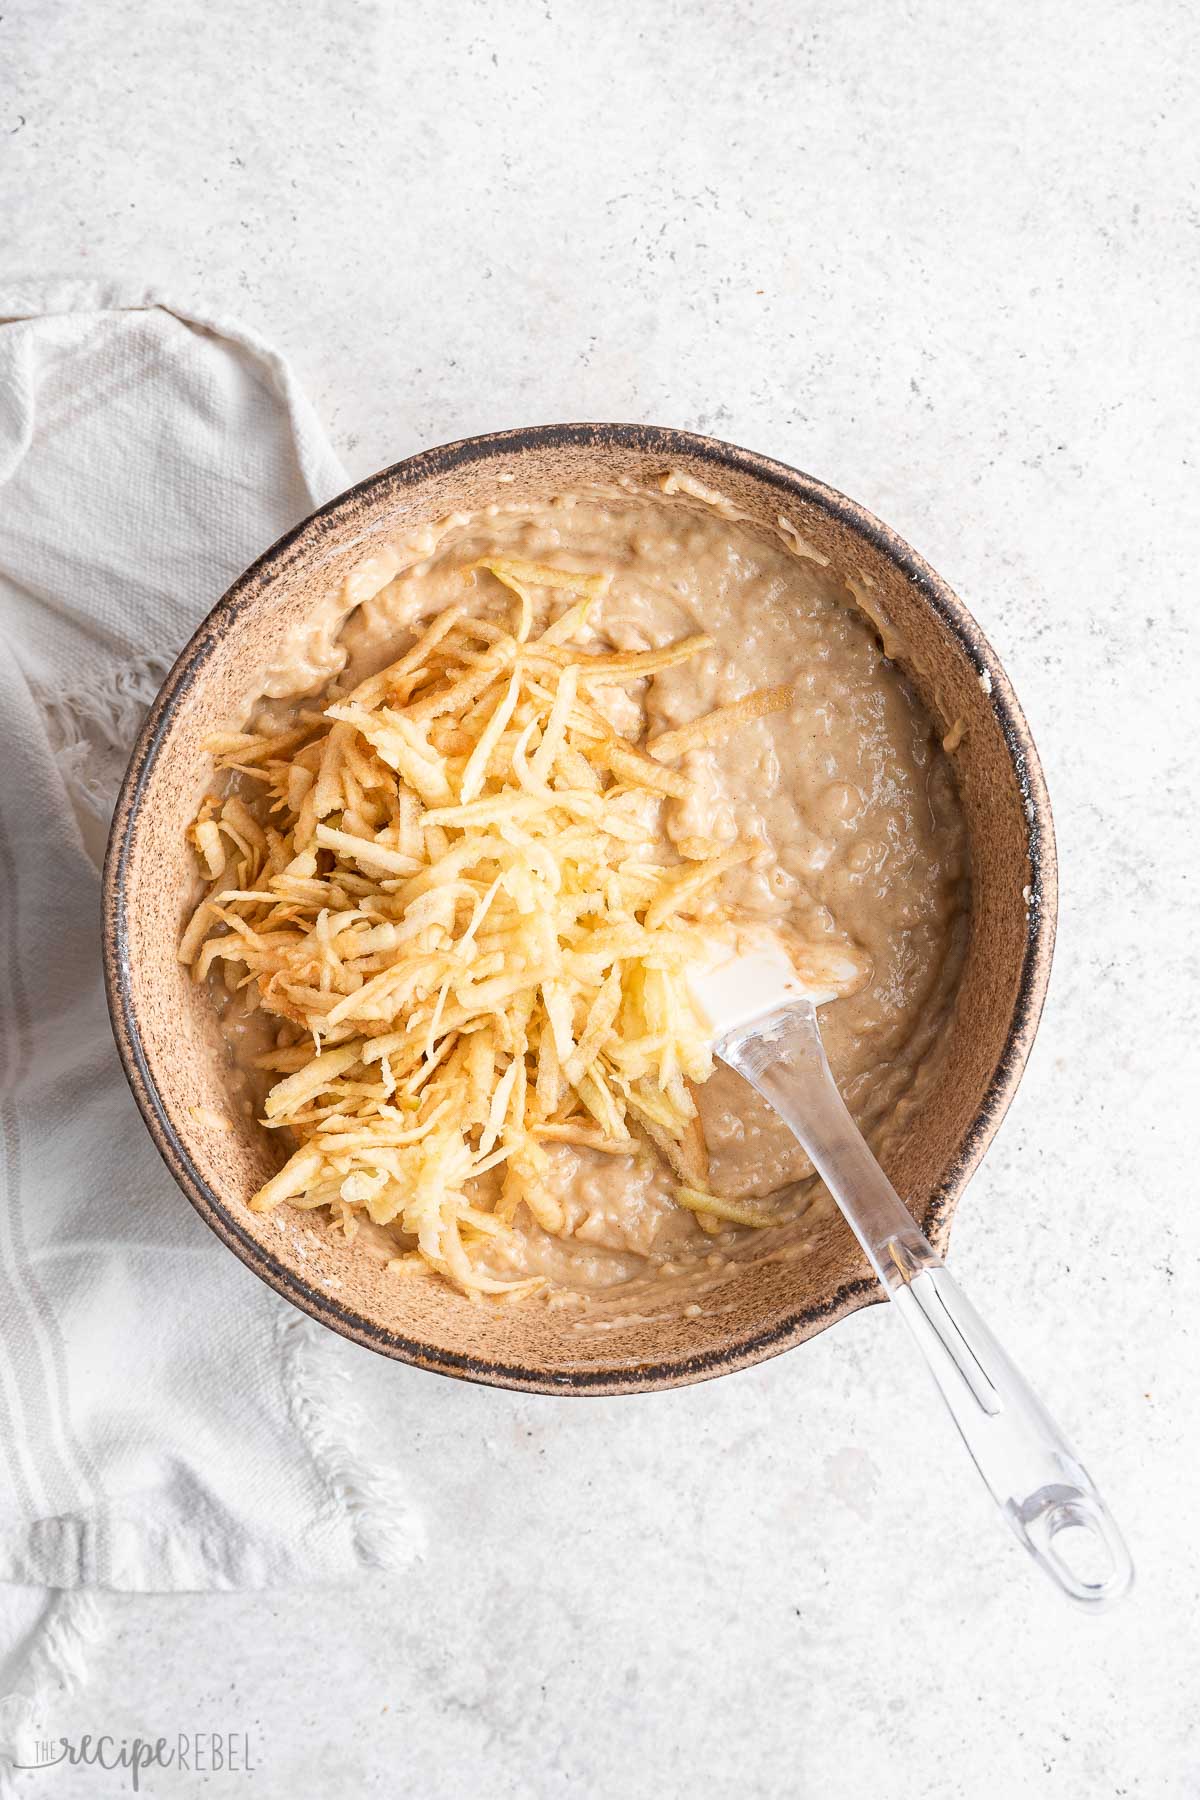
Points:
(946, 259)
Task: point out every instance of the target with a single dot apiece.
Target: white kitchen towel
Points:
(166, 1421)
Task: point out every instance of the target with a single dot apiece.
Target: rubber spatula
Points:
(760, 1005)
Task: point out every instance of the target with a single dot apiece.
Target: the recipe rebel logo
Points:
(188, 1752)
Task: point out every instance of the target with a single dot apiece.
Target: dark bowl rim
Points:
(307, 537)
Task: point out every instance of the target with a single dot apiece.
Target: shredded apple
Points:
(456, 900)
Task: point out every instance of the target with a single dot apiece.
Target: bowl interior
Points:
(168, 1035)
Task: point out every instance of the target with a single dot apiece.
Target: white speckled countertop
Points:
(946, 258)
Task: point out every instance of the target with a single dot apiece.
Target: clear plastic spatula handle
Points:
(1038, 1482)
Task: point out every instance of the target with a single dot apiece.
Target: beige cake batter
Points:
(846, 793)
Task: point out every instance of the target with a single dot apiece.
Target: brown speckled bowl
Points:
(166, 1031)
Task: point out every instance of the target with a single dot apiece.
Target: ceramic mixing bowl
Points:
(167, 1032)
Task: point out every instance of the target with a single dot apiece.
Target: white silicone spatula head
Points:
(753, 972)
